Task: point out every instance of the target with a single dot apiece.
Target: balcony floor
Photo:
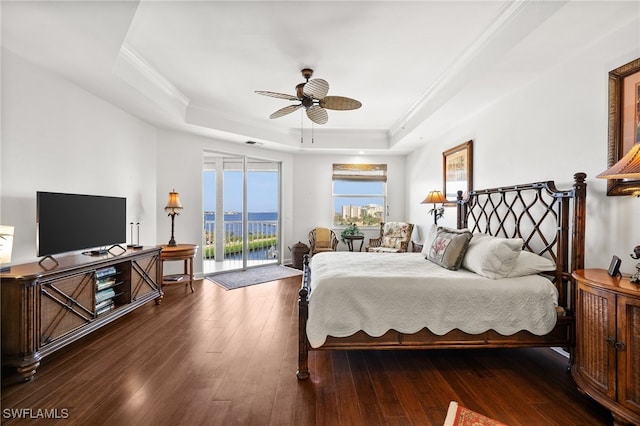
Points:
(210, 266)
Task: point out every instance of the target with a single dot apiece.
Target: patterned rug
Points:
(252, 276)
(457, 415)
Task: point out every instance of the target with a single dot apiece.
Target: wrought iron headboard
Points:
(551, 222)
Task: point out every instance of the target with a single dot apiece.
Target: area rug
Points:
(457, 415)
(252, 276)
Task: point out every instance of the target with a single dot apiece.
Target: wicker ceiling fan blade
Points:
(317, 114)
(339, 103)
(277, 95)
(286, 110)
(316, 88)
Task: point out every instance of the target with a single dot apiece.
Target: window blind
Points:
(368, 172)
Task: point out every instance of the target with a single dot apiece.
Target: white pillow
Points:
(530, 263)
(492, 257)
(431, 235)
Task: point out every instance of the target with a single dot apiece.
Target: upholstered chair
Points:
(394, 238)
(322, 239)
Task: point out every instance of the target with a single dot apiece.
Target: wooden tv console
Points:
(47, 305)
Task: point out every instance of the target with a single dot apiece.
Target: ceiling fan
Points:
(312, 95)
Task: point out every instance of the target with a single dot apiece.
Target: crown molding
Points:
(486, 49)
(148, 77)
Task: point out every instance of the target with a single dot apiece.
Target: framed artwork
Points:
(457, 168)
(624, 121)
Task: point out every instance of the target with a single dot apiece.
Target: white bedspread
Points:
(377, 292)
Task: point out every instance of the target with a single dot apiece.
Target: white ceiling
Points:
(418, 67)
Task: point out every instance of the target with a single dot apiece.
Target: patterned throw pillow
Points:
(448, 247)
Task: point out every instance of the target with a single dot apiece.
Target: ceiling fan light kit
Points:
(312, 96)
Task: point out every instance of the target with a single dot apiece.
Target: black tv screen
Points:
(70, 222)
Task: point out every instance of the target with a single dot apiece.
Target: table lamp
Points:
(173, 207)
(628, 168)
(434, 197)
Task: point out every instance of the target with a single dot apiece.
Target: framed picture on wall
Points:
(457, 167)
(624, 121)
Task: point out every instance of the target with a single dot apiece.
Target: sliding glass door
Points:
(241, 212)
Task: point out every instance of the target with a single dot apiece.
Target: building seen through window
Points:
(359, 194)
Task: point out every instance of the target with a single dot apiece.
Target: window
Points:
(359, 194)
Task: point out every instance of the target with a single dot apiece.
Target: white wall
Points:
(548, 131)
(57, 137)
(312, 191)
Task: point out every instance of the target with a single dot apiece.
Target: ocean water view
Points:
(265, 222)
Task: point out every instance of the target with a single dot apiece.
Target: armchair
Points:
(394, 238)
(322, 239)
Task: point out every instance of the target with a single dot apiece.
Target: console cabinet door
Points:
(596, 337)
(66, 304)
(629, 354)
(144, 276)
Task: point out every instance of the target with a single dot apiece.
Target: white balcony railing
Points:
(262, 240)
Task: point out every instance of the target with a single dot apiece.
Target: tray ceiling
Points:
(418, 67)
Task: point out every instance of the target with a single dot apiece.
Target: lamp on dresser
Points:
(628, 168)
(173, 207)
(434, 197)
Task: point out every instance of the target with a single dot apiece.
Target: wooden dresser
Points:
(47, 305)
(607, 362)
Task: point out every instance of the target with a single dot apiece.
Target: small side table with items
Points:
(351, 238)
(608, 342)
(184, 252)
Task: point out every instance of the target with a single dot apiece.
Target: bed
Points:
(343, 305)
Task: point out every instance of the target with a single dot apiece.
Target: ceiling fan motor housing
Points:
(307, 102)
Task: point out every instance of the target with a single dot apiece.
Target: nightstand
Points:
(183, 252)
(607, 361)
(417, 247)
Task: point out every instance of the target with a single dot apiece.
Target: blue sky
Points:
(262, 195)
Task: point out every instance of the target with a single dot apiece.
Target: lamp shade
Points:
(627, 168)
(434, 197)
(173, 203)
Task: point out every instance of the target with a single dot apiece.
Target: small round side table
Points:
(351, 238)
(184, 252)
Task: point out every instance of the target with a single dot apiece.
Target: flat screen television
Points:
(72, 222)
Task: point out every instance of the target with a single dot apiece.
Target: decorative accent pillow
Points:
(448, 247)
(492, 257)
(530, 263)
(431, 235)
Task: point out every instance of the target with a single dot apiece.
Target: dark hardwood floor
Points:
(217, 357)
